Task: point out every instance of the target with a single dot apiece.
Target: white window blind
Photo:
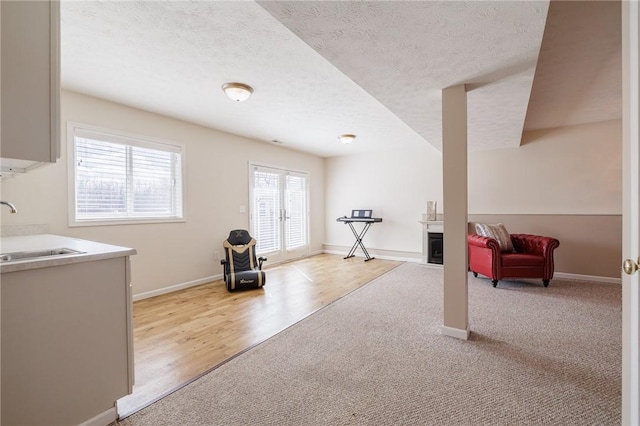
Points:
(266, 210)
(296, 210)
(120, 178)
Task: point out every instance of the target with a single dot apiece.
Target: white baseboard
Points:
(398, 257)
(593, 278)
(102, 419)
(176, 287)
(401, 256)
(455, 332)
(182, 286)
(376, 255)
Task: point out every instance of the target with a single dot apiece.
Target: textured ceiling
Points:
(173, 57)
(319, 69)
(405, 53)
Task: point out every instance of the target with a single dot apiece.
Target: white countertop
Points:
(91, 251)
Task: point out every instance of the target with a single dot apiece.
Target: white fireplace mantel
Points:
(429, 226)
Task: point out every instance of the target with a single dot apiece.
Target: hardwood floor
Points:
(180, 335)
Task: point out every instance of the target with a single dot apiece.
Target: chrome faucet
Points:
(11, 206)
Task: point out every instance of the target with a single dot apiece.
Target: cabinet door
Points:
(30, 104)
(65, 353)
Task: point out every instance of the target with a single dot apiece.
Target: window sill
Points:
(109, 222)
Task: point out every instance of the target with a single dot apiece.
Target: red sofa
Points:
(532, 258)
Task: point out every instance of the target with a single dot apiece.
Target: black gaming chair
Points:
(241, 271)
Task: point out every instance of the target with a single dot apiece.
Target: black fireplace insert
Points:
(435, 248)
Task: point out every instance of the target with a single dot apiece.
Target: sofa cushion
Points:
(520, 259)
(498, 232)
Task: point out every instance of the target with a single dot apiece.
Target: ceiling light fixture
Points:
(237, 91)
(346, 138)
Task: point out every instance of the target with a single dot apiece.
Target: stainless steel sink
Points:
(36, 254)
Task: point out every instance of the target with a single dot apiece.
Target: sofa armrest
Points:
(484, 255)
(483, 242)
(535, 244)
(540, 246)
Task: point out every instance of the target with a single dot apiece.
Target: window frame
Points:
(123, 138)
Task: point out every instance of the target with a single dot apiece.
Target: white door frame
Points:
(284, 253)
(630, 213)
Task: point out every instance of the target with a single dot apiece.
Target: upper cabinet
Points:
(30, 82)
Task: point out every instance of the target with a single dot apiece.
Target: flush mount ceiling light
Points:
(346, 138)
(237, 91)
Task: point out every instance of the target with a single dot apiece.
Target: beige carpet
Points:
(537, 356)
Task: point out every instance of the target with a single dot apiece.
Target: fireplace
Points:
(435, 248)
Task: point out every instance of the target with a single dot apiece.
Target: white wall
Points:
(216, 185)
(396, 185)
(573, 170)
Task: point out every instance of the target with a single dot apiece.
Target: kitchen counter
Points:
(90, 251)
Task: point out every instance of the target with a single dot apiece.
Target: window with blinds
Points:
(120, 178)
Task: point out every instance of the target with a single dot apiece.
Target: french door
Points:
(279, 206)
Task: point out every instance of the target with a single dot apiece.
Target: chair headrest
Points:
(239, 237)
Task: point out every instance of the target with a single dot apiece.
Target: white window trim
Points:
(127, 138)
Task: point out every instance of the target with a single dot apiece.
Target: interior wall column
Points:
(454, 178)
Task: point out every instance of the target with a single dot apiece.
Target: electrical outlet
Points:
(216, 254)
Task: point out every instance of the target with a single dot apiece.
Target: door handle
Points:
(630, 267)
